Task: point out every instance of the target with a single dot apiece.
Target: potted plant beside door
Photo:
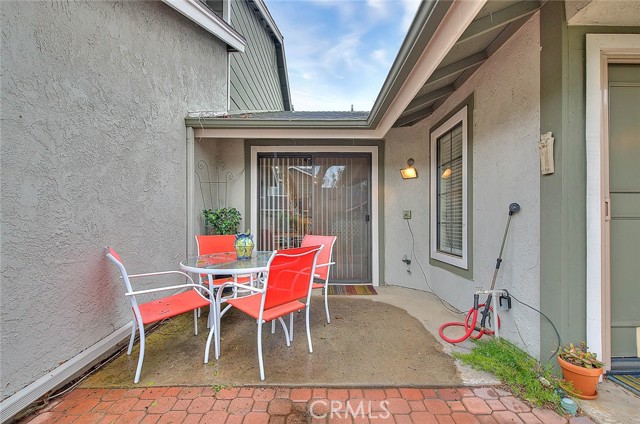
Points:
(582, 369)
(221, 221)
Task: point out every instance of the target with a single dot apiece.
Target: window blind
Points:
(449, 192)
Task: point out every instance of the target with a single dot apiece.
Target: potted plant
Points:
(222, 220)
(581, 368)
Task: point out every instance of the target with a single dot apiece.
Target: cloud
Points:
(339, 52)
(380, 56)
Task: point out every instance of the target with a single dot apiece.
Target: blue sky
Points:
(339, 52)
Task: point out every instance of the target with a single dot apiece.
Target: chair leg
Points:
(308, 330)
(216, 328)
(326, 301)
(133, 336)
(195, 322)
(291, 326)
(206, 350)
(273, 327)
(260, 362)
(141, 357)
(286, 333)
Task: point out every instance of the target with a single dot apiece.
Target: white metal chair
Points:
(163, 308)
(289, 278)
(321, 277)
(323, 266)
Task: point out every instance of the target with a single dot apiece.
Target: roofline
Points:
(437, 27)
(211, 22)
(281, 58)
(418, 35)
(231, 123)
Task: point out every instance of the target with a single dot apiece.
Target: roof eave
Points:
(211, 22)
(434, 31)
(230, 123)
(425, 23)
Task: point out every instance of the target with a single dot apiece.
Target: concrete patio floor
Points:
(471, 396)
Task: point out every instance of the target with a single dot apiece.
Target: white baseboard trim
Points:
(11, 406)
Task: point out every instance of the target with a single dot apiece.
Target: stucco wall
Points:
(94, 96)
(505, 169)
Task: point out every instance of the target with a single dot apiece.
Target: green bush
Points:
(223, 220)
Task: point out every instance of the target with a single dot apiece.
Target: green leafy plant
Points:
(580, 356)
(524, 375)
(222, 220)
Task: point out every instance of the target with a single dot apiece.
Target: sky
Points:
(340, 51)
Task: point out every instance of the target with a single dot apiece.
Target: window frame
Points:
(460, 116)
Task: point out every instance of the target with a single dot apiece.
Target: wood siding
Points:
(254, 81)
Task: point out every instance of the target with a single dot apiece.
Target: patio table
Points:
(225, 263)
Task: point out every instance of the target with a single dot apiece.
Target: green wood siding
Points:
(563, 194)
(254, 82)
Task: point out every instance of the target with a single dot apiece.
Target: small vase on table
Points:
(244, 245)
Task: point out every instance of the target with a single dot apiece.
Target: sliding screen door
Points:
(319, 193)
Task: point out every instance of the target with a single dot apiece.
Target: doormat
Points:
(628, 381)
(350, 289)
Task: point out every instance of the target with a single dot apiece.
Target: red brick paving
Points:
(265, 405)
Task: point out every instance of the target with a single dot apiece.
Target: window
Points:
(449, 176)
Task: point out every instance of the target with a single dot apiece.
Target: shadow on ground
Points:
(367, 344)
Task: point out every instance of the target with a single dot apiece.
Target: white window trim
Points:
(601, 49)
(460, 262)
(208, 20)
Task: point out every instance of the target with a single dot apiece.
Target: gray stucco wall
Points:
(506, 127)
(94, 96)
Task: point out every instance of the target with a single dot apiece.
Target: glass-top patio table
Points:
(226, 263)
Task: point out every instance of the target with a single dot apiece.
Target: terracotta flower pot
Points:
(584, 380)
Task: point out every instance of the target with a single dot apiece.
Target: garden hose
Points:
(469, 323)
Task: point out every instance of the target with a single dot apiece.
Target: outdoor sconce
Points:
(409, 172)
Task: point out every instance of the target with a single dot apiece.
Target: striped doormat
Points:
(628, 381)
(349, 289)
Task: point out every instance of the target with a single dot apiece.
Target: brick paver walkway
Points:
(248, 405)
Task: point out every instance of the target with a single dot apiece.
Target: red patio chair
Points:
(163, 308)
(321, 280)
(289, 278)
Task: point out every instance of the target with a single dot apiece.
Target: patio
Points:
(404, 374)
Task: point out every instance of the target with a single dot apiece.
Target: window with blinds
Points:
(448, 191)
(449, 194)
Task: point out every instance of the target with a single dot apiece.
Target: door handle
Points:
(607, 209)
(367, 218)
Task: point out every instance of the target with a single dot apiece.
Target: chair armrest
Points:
(327, 264)
(152, 274)
(197, 287)
(221, 288)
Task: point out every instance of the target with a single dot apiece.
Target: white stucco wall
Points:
(505, 169)
(94, 96)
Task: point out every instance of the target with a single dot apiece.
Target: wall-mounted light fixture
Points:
(446, 174)
(409, 171)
